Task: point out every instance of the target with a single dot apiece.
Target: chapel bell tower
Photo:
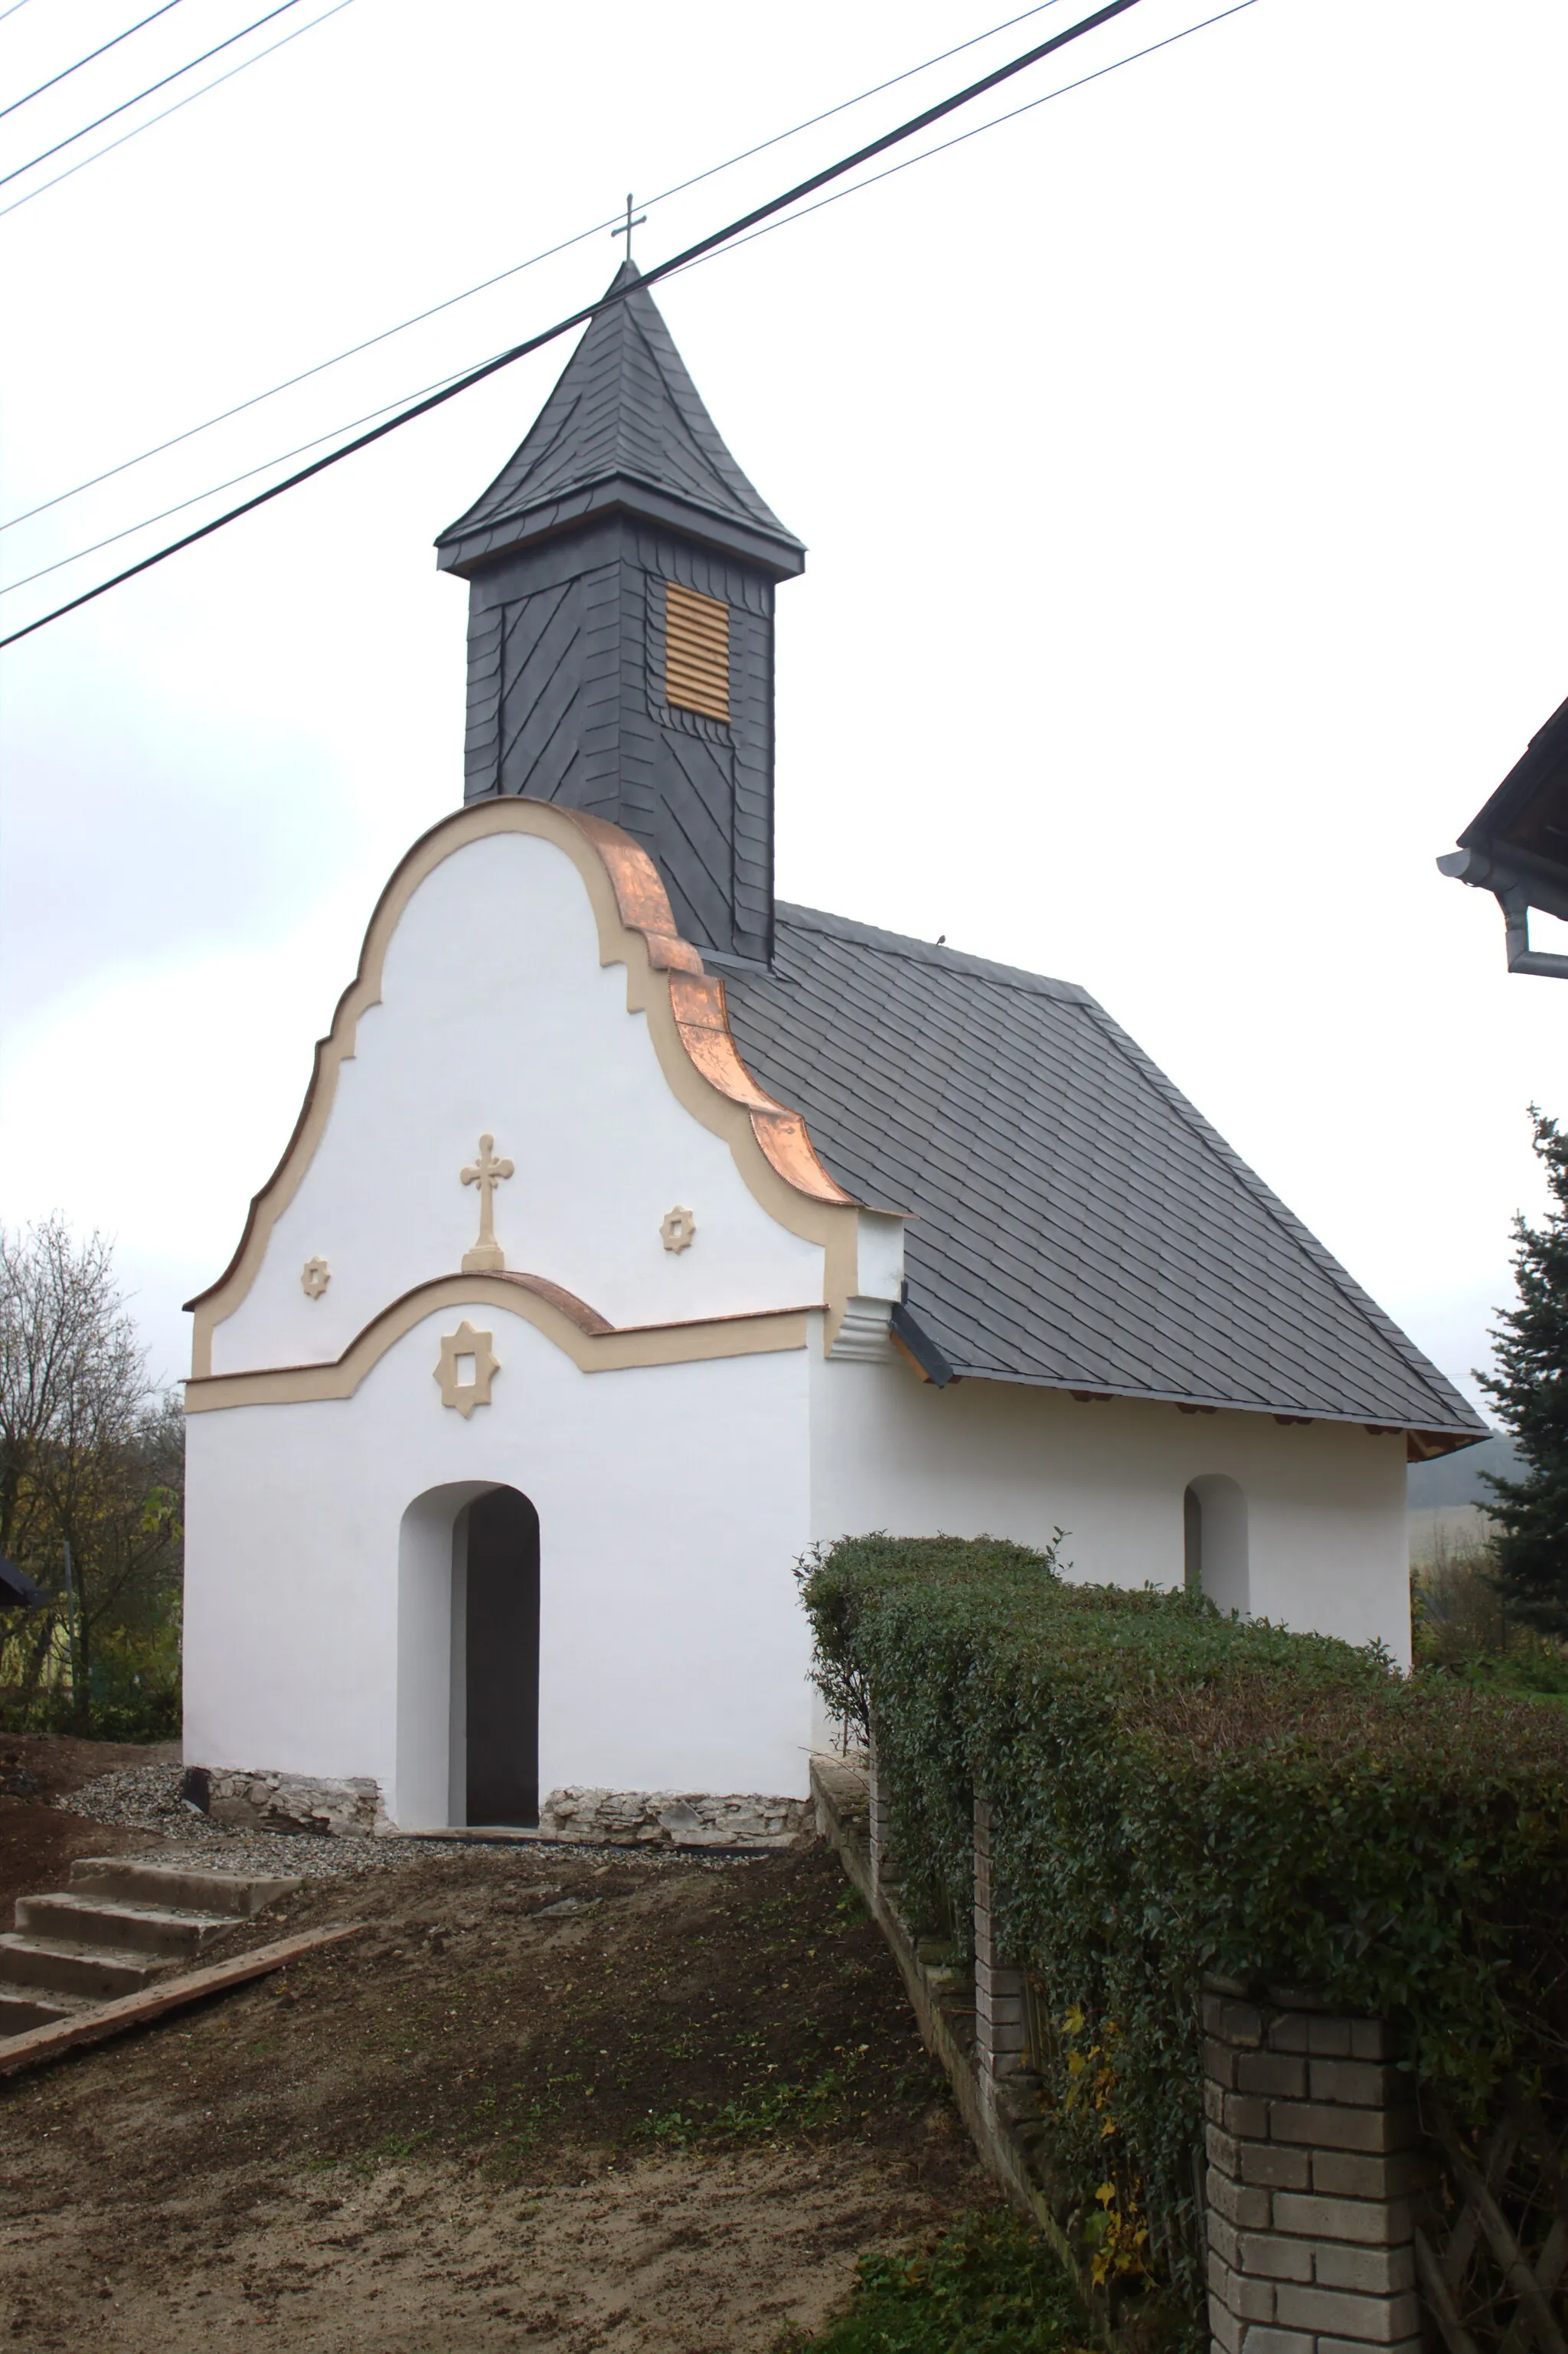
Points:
(620, 572)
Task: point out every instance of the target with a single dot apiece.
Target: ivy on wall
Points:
(1175, 1792)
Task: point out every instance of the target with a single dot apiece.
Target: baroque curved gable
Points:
(688, 1023)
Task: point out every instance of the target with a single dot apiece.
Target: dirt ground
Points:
(544, 2101)
(36, 1840)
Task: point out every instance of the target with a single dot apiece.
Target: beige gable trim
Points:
(687, 1020)
(593, 1345)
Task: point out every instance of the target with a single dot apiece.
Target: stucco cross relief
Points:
(486, 1257)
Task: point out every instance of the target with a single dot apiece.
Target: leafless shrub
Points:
(90, 1463)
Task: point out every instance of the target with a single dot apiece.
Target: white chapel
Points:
(638, 1231)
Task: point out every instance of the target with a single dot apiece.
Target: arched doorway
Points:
(495, 1659)
(1213, 1517)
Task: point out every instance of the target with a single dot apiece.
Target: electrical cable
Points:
(103, 50)
(992, 123)
(942, 146)
(164, 113)
(282, 456)
(715, 240)
(419, 318)
(279, 459)
(12, 9)
(87, 128)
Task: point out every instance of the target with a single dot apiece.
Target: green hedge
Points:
(1174, 1793)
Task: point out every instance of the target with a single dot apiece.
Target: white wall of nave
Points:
(1326, 1539)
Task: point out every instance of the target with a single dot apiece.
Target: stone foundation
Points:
(646, 1818)
(673, 1818)
(288, 1802)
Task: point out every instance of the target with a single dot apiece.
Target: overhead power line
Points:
(12, 9)
(163, 83)
(449, 303)
(164, 113)
(905, 163)
(715, 240)
(103, 50)
(994, 122)
(279, 458)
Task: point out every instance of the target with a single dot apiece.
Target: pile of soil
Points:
(38, 1840)
(544, 2100)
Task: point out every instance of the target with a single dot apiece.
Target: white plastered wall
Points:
(1325, 1542)
(496, 1017)
(673, 1501)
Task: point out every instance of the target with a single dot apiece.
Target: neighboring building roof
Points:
(1517, 846)
(16, 1588)
(624, 427)
(1077, 1224)
(1527, 817)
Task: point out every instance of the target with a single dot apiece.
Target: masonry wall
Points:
(1311, 2143)
(1324, 1503)
(496, 1016)
(671, 1503)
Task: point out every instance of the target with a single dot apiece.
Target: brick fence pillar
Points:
(1310, 2140)
(876, 1803)
(1001, 2028)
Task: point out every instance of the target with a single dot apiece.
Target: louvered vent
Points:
(696, 652)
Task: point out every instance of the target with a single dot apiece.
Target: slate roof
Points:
(1078, 1224)
(1521, 833)
(624, 427)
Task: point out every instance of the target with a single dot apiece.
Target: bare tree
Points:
(90, 1453)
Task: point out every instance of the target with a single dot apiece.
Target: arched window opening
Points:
(1215, 1543)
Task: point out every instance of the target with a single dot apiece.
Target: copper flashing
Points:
(702, 1017)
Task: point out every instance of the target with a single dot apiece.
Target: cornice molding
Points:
(593, 1344)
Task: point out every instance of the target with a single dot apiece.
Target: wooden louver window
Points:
(696, 652)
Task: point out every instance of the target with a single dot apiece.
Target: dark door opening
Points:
(503, 1659)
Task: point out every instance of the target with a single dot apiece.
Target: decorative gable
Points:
(532, 1085)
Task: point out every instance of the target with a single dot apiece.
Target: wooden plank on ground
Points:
(41, 2043)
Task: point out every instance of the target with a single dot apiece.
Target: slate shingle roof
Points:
(1078, 1224)
(624, 419)
(1521, 833)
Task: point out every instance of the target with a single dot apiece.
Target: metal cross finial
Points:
(486, 1257)
(628, 225)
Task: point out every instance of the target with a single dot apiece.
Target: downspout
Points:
(1471, 867)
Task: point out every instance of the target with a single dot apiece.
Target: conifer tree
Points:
(1530, 1389)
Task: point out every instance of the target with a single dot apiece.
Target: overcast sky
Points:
(1181, 463)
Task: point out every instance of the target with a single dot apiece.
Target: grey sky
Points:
(1181, 467)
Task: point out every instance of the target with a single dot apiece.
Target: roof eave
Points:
(1432, 1439)
(465, 549)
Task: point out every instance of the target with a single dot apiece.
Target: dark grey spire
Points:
(624, 427)
(621, 572)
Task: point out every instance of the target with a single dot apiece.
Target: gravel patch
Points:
(147, 1798)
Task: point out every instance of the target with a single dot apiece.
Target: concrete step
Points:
(176, 1888)
(19, 2012)
(68, 1969)
(86, 1919)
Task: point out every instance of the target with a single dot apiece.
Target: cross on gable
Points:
(485, 1172)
